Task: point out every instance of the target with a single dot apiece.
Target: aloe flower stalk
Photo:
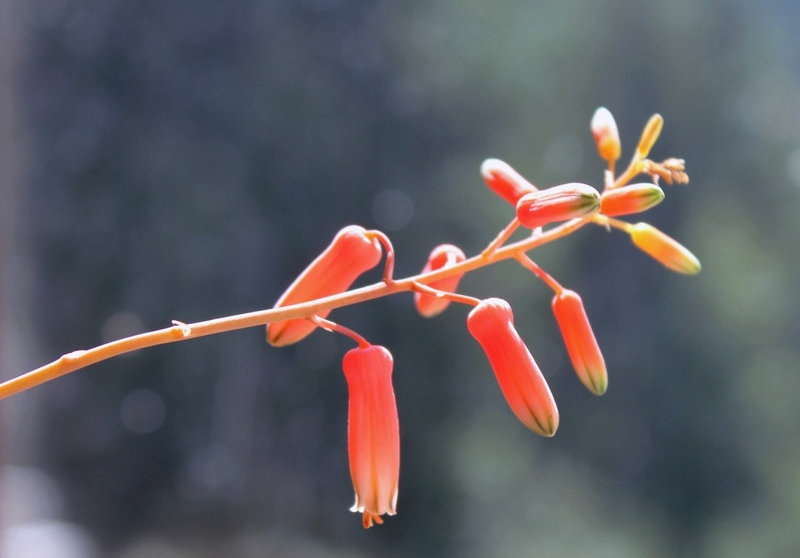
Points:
(491, 323)
(587, 360)
(664, 249)
(633, 198)
(373, 432)
(443, 256)
(505, 181)
(351, 253)
(559, 203)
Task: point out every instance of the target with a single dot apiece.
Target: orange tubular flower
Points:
(580, 341)
(664, 248)
(559, 203)
(505, 181)
(373, 433)
(491, 323)
(350, 254)
(606, 135)
(444, 255)
(634, 198)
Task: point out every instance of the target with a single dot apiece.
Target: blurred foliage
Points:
(187, 159)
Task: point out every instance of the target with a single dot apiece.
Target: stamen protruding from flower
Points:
(664, 248)
(351, 253)
(606, 135)
(443, 256)
(649, 136)
(505, 181)
(582, 347)
(373, 432)
(491, 323)
(672, 170)
(559, 203)
(634, 198)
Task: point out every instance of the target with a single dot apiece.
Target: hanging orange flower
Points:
(373, 433)
(587, 360)
(491, 323)
(444, 255)
(351, 253)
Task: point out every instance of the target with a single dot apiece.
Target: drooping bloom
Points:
(350, 254)
(491, 323)
(587, 360)
(373, 433)
(606, 135)
(559, 203)
(444, 255)
(664, 248)
(505, 181)
(633, 198)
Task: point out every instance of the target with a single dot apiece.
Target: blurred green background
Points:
(185, 160)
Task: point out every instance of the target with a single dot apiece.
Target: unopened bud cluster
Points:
(373, 431)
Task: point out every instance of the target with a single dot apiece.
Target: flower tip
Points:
(548, 428)
(598, 382)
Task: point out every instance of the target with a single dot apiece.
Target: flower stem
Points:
(533, 267)
(76, 360)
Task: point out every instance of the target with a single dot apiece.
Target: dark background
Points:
(185, 160)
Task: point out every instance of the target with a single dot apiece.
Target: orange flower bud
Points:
(444, 255)
(634, 198)
(491, 323)
(505, 181)
(350, 254)
(559, 203)
(664, 248)
(606, 135)
(649, 135)
(373, 432)
(580, 341)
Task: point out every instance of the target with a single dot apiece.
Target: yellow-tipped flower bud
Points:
(634, 198)
(664, 248)
(606, 135)
(649, 135)
(559, 203)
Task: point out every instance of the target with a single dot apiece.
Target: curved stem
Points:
(605, 221)
(532, 266)
(455, 297)
(498, 241)
(328, 325)
(388, 270)
(182, 332)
